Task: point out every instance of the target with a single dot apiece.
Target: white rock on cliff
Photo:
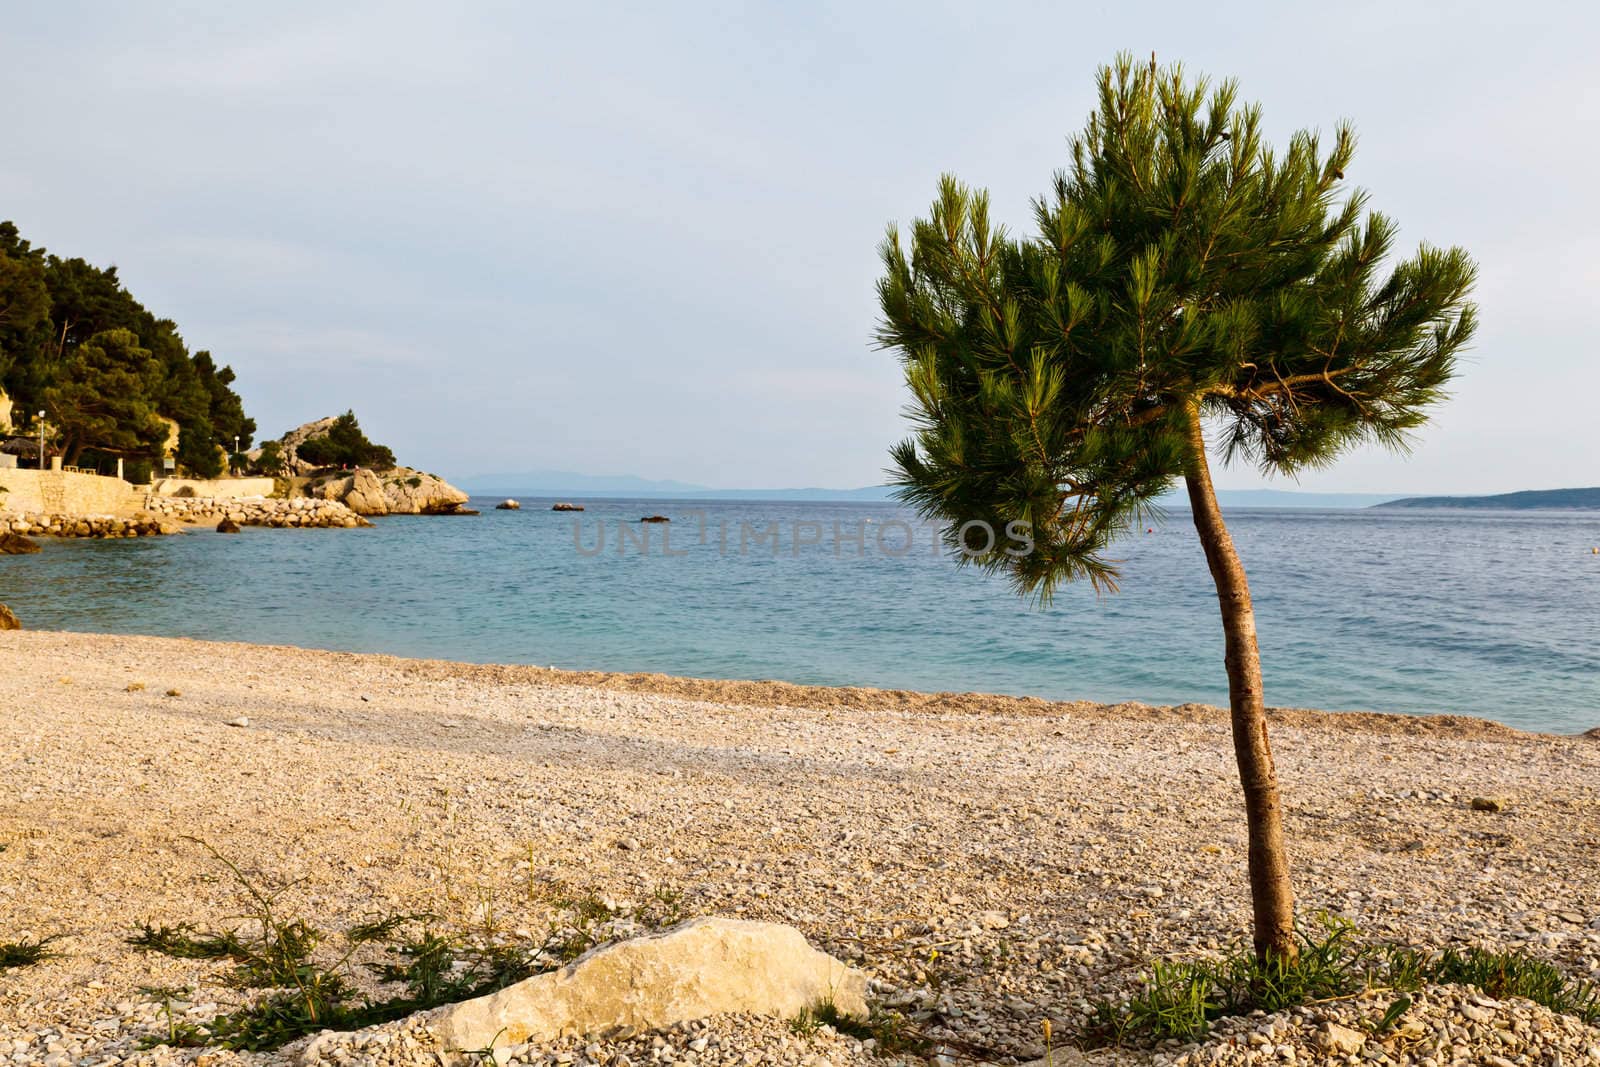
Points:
(292, 441)
(700, 968)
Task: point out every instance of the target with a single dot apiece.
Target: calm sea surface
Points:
(1493, 614)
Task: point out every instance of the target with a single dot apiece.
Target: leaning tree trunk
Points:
(1271, 895)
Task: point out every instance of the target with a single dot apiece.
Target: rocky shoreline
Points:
(990, 863)
(303, 512)
(39, 524)
(332, 502)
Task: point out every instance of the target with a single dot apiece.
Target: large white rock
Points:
(699, 968)
(413, 492)
(361, 492)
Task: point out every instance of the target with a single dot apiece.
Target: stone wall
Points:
(65, 493)
(300, 511)
(216, 488)
(39, 525)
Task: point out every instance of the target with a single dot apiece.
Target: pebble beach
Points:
(990, 862)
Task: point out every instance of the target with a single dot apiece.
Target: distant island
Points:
(1527, 500)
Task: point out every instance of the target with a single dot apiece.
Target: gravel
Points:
(992, 862)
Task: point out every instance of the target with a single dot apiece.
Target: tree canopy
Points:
(102, 396)
(1177, 263)
(52, 309)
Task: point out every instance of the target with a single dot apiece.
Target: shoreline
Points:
(766, 692)
(990, 862)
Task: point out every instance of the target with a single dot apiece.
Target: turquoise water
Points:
(1493, 614)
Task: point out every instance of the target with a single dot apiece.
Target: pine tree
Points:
(1185, 280)
(105, 397)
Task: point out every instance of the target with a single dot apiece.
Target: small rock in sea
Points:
(655, 518)
(243, 720)
(566, 507)
(228, 526)
(8, 620)
(1488, 804)
(14, 544)
(508, 505)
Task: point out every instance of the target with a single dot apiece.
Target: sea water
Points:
(1495, 614)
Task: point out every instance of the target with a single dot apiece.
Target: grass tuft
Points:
(1179, 1001)
(892, 1031)
(25, 953)
(307, 988)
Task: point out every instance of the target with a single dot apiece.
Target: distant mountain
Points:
(570, 484)
(1527, 500)
(573, 484)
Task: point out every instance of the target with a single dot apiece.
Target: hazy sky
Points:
(641, 238)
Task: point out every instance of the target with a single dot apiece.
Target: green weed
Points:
(891, 1030)
(305, 995)
(25, 953)
(1179, 1001)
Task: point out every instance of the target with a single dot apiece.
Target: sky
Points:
(641, 238)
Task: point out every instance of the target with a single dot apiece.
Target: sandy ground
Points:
(991, 861)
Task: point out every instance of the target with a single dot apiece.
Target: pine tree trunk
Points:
(1271, 894)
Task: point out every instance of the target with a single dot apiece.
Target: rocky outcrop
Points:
(401, 491)
(397, 491)
(412, 492)
(566, 507)
(8, 619)
(14, 540)
(508, 505)
(291, 442)
(700, 968)
(300, 511)
(360, 491)
(228, 526)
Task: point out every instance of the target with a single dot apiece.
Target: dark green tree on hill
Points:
(24, 307)
(1187, 290)
(103, 396)
(345, 445)
(82, 302)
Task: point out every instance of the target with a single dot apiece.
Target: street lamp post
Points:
(41, 440)
(236, 453)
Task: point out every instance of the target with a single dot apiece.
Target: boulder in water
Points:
(566, 507)
(14, 544)
(655, 518)
(508, 505)
(8, 620)
(227, 526)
